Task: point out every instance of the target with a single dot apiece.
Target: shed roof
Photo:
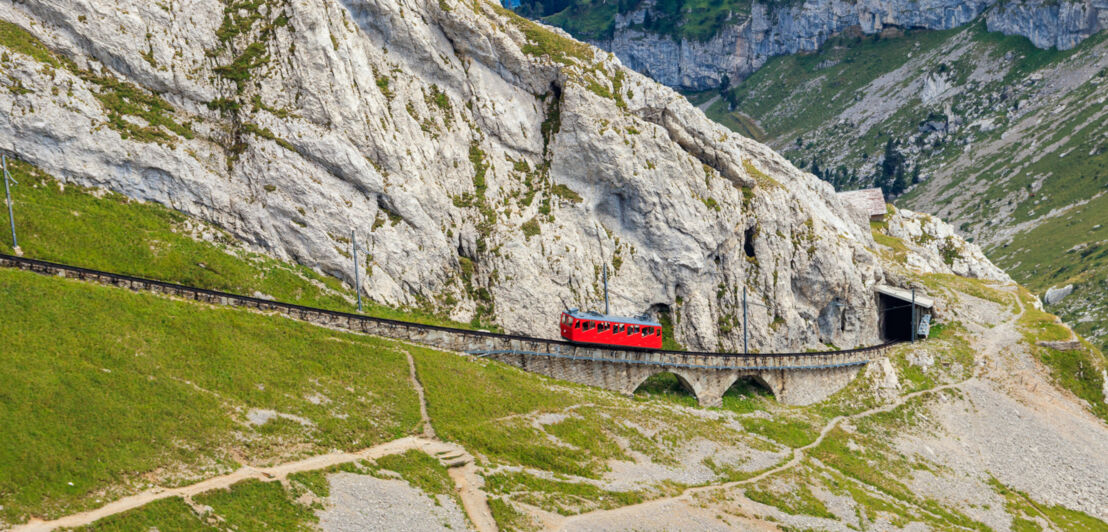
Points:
(905, 295)
(590, 315)
(870, 200)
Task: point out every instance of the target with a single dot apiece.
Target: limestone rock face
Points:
(938, 249)
(490, 166)
(1049, 24)
(746, 42)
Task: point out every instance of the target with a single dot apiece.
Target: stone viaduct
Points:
(794, 378)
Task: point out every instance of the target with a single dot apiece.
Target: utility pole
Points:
(746, 316)
(746, 334)
(357, 281)
(606, 289)
(914, 326)
(8, 194)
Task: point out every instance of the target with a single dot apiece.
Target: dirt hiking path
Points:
(460, 466)
(989, 341)
(265, 474)
(627, 513)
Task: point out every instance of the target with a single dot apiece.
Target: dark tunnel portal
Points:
(897, 318)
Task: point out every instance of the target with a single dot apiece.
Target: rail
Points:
(383, 326)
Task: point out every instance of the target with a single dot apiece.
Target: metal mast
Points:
(357, 281)
(914, 325)
(606, 289)
(8, 194)
(746, 333)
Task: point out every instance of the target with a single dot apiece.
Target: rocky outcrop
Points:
(1056, 294)
(747, 42)
(1049, 23)
(490, 166)
(939, 249)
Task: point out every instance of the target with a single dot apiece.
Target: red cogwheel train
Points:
(595, 328)
(586, 327)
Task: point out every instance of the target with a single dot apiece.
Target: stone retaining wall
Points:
(799, 378)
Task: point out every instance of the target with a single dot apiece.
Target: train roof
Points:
(589, 315)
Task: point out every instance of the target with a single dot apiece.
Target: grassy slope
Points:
(805, 95)
(795, 94)
(698, 20)
(133, 424)
(149, 386)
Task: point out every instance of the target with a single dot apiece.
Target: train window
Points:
(576, 324)
(631, 330)
(646, 331)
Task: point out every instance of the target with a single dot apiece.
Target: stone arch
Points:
(714, 391)
(684, 382)
(753, 383)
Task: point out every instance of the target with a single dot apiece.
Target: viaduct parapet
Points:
(794, 378)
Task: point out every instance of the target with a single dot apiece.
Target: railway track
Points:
(481, 343)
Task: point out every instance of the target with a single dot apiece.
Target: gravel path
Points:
(265, 474)
(670, 514)
(798, 454)
(993, 339)
(462, 471)
(361, 502)
(428, 430)
(1014, 424)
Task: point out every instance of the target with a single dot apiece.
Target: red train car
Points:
(595, 328)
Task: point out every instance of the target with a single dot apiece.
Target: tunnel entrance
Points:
(894, 308)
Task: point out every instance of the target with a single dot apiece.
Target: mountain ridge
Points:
(700, 47)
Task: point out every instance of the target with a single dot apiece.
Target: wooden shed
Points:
(869, 200)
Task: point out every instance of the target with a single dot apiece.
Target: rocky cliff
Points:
(1061, 25)
(746, 42)
(490, 167)
(957, 120)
